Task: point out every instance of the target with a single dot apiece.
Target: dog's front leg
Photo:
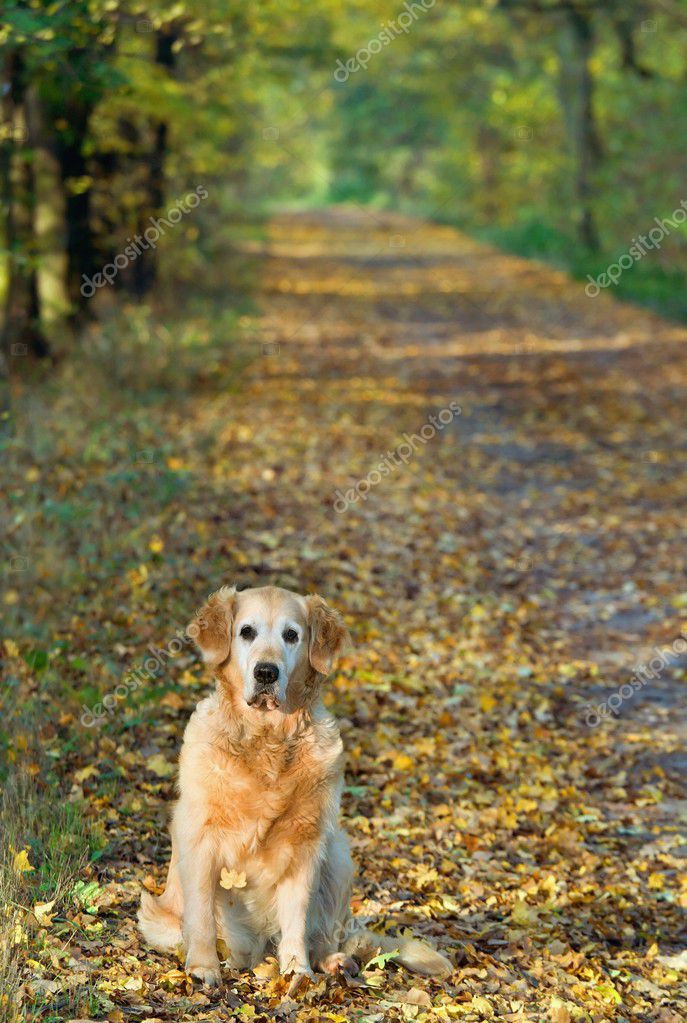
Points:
(199, 874)
(293, 899)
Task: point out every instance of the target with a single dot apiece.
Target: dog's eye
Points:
(248, 632)
(290, 636)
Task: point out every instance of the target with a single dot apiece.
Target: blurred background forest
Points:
(198, 357)
(554, 128)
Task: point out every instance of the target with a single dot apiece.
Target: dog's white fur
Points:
(260, 778)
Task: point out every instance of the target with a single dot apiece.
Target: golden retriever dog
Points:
(260, 780)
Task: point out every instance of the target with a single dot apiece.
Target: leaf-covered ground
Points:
(504, 581)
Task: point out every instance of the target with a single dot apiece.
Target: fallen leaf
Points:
(42, 912)
(160, 766)
(268, 970)
(415, 996)
(524, 915)
(232, 879)
(21, 863)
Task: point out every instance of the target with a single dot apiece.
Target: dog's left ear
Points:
(328, 633)
(212, 626)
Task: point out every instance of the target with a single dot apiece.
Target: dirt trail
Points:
(505, 566)
(566, 464)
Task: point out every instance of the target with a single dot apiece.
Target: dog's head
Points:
(269, 646)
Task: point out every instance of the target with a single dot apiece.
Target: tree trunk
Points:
(78, 189)
(22, 332)
(50, 224)
(587, 142)
(146, 266)
(9, 226)
(34, 332)
(6, 340)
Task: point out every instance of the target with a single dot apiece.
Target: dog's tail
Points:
(415, 955)
(160, 922)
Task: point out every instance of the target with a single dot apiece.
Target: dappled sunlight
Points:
(385, 302)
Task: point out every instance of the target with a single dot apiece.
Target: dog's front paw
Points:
(209, 975)
(291, 963)
(302, 976)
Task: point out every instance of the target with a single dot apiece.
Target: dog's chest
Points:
(269, 798)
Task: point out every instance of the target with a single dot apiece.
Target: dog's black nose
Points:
(265, 673)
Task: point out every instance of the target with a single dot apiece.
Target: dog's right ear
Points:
(212, 626)
(328, 633)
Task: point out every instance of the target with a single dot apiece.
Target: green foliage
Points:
(662, 289)
(472, 112)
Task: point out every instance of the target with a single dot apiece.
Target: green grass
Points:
(649, 285)
(58, 842)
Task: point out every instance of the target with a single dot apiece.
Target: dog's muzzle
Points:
(266, 676)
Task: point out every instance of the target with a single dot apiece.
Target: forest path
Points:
(504, 570)
(564, 467)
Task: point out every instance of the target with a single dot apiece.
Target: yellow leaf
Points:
(483, 1006)
(608, 992)
(41, 911)
(656, 881)
(486, 702)
(156, 545)
(232, 879)
(11, 648)
(137, 576)
(159, 766)
(402, 762)
(11, 597)
(424, 875)
(523, 915)
(426, 745)
(174, 978)
(268, 970)
(21, 862)
(450, 903)
(85, 772)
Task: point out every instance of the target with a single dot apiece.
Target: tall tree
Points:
(21, 333)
